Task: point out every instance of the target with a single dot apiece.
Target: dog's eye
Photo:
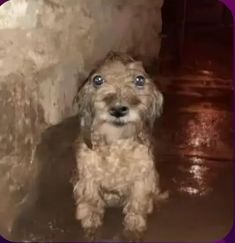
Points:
(98, 80)
(139, 81)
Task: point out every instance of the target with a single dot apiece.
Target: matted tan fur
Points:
(114, 156)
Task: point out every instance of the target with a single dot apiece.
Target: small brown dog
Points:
(117, 106)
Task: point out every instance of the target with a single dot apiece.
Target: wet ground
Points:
(194, 157)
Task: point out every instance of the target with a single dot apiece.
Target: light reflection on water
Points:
(203, 129)
(203, 135)
(196, 179)
(197, 183)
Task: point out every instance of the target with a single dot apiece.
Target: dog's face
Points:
(120, 93)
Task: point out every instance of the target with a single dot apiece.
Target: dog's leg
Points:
(139, 205)
(90, 207)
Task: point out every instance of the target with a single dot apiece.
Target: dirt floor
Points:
(194, 150)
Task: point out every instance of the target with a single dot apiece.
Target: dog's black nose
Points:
(118, 111)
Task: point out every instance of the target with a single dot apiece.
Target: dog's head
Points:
(119, 93)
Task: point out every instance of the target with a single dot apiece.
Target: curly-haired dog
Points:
(118, 105)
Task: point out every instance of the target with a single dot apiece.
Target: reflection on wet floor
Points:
(201, 131)
(194, 151)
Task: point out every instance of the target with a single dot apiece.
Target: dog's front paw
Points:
(91, 226)
(135, 222)
(135, 225)
(91, 220)
(90, 217)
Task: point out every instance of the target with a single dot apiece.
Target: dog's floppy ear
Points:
(83, 99)
(156, 108)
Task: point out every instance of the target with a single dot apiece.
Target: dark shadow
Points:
(49, 210)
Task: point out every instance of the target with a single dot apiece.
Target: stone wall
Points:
(46, 48)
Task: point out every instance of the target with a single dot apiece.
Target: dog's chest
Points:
(121, 163)
(115, 167)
